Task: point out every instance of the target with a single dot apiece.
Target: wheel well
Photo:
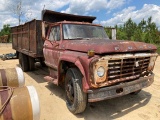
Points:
(63, 67)
(17, 54)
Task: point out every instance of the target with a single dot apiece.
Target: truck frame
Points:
(82, 58)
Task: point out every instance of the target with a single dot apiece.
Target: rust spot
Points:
(123, 67)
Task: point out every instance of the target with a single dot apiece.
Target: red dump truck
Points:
(81, 57)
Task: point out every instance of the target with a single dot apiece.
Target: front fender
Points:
(76, 61)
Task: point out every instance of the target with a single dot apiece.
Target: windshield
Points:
(74, 31)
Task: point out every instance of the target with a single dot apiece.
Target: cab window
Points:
(55, 33)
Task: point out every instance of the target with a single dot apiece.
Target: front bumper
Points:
(119, 90)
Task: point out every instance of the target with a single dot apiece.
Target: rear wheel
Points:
(20, 59)
(17, 54)
(31, 63)
(76, 99)
(42, 62)
(23, 61)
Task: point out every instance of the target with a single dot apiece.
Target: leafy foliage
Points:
(108, 31)
(5, 33)
(145, 31)
(6, 30)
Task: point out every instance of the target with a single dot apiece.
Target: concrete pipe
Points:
(12, 77)
(19, 104)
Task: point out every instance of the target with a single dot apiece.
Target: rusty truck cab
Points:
(90, 65)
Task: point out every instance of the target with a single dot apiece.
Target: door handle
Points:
(45, 45)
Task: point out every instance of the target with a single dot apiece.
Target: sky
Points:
(108, 12)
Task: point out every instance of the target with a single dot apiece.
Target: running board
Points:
(51, 80)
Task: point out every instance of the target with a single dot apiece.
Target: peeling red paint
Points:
(101, 46)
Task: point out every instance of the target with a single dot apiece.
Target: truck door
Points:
(51, 47)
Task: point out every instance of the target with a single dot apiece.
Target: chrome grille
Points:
(127, 69)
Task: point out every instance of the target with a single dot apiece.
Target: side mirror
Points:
(43, 31)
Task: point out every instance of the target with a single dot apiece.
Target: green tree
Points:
(130, 28)
(145, 31)
(6, 30)
(108, 31)
(151, 32)
(139, 31)
(121, 34)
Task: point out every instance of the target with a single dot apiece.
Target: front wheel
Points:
(76, 99)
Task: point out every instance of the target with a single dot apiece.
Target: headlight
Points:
(152, 63)
(100, 71)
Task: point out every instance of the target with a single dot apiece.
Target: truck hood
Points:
(101, 46)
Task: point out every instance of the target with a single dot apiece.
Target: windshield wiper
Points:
(87, 38)
(79, 38)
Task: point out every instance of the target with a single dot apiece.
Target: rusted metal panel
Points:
(82, 61)
(27, 38)
(40, 41)
(25, 35)
(152, 63)
(95, 67)
(123, 67)
(14, 38)
(101, 46)
(52, 16)
(120, 89)
(19, 29)
(32, 36)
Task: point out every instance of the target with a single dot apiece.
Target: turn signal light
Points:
(91, 53)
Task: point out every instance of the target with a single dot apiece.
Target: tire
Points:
(31, 63)
(17, 55)
(42, 62)
(76, 99)
(136, 92)
(23, 60)
(20, 59)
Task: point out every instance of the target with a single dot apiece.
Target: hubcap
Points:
(70, 91)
